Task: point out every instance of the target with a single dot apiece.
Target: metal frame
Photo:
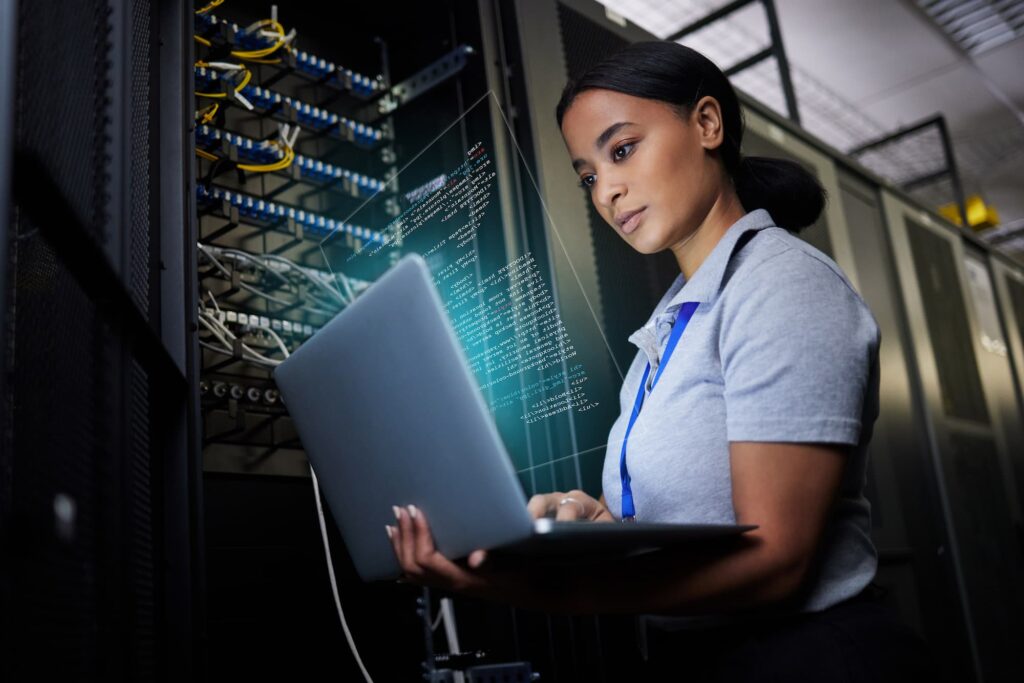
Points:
(950, 169)
(1002, 273)
(776, 49)
(8, 79)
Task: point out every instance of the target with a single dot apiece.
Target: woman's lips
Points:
(634, 221)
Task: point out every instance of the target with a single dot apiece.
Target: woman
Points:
(765, 363)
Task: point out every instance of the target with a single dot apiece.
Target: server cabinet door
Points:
(968, 444)
(1009, 288)
(906, 511)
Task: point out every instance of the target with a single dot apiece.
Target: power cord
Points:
(334, 581)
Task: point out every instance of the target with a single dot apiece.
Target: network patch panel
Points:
(357, 184)
(274, 213)
(288, 109)
(322, 70)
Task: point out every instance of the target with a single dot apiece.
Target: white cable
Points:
(220, 331)
(213, 300)
(277, 338)
(334, 581)
(253, 290)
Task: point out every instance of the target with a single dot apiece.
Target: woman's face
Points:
(648, 171)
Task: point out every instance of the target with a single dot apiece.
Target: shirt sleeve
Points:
(797, 350)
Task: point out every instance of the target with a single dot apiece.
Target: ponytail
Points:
(785, 189)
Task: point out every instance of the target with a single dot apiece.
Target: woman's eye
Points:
(587, 182)
(623, 151)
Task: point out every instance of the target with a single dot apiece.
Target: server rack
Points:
(254, 206)
(98, 573)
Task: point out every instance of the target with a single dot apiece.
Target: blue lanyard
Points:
(682, 320)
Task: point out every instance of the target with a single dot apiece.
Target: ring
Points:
(570, 499)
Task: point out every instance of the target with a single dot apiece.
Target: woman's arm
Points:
(786, 489)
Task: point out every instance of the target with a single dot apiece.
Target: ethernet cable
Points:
(225, 336)
(265, 261)
(334, 580)
(256, 291)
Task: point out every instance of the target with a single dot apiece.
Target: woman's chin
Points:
(643, 244)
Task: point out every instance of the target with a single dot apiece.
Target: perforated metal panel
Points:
(1016, 290)
(140, 179)
(948, 326)
(86, 538)
(62, 102)
(991, 560)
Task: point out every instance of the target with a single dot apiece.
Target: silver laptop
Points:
(390, 414)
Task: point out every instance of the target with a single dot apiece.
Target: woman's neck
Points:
(691, 252)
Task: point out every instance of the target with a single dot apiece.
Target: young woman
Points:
(751, 400)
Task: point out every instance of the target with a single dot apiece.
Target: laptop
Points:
(389, 413)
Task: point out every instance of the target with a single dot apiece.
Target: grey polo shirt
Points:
(781, 348)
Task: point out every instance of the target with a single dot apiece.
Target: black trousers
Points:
(856, 640)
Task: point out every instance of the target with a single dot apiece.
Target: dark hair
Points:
(677, 75)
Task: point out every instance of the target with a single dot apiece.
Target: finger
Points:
(396, 537)
(405, 542)
(392, 533)
(477, 558)
(423, 543)
(570, 510)
(543, 503)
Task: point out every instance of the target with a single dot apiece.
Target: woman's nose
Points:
(609, 191)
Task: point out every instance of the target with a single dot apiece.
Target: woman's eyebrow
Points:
(602, 140)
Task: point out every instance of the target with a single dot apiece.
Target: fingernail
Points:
(413, 511)
(398, 512)
(390, 532)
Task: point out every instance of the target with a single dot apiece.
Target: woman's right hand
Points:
(581, 507)
(567, 507)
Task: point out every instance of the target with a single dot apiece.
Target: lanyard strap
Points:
(682, 320)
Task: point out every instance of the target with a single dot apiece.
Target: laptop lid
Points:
(389, 414)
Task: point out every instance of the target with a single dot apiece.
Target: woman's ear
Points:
(707, 116)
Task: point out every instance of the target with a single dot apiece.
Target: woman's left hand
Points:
(422, 563)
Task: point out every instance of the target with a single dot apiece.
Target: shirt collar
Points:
(707, 281)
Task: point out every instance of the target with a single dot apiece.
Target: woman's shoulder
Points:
(777, 277)
(776, 259)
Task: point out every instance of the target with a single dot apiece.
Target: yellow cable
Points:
(245, 81)
(289, 157)
(213, 3)
(206, 155)
(238, 88)
(207, 113)
(263, 52)
(202, 41)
